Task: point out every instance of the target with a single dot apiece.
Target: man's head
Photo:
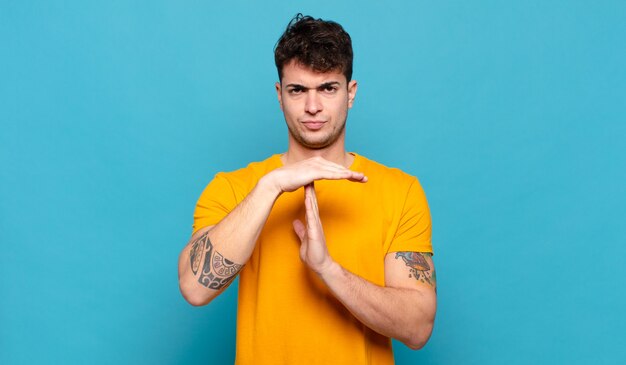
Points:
(320, 45)
(314, 61)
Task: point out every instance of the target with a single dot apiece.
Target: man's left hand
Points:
(313, 250)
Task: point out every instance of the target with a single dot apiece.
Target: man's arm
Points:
(403, 309)
(215, 254)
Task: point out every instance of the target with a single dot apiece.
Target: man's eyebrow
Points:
(327, 84)
(321, 86)
(296, 86)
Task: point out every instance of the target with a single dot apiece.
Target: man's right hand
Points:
(292, 177)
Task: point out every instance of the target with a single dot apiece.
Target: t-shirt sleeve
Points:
(414, 229)
(215, 202)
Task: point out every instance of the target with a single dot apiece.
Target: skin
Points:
(306, 97)
(315, 106)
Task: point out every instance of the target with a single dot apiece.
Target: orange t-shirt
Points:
(286, 315)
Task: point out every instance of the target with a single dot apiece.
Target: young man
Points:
(334, 250)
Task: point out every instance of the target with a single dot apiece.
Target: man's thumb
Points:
(300, 229)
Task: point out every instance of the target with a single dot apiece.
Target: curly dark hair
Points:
(319, 44)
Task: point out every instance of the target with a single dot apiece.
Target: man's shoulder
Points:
(253, 171)
(382, 172)
(393, 187)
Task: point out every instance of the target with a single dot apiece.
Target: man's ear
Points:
(279, 94)
(352, 86)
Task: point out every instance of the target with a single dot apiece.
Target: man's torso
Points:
(286, 314)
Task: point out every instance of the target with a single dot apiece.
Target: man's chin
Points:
(315, 145)
(319, 143)
(316, 140)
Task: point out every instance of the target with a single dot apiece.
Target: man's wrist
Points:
(331, 271)
(267, 186)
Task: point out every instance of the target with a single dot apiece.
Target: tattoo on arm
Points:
(195, 255)
(217, 271)
(419, 267)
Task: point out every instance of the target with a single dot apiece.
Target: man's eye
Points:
(295, 91)
(329, 89)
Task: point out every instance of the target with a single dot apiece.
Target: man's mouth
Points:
(313, 124)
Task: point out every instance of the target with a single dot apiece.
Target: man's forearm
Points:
(215, 255)
(404, 314)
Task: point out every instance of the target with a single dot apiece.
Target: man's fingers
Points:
(300, 229)
(338, 171)
(333, 174)
(290, 178)
(308, 204)
(313, 200)
(358, 177)
(313, 221)
(324, 162)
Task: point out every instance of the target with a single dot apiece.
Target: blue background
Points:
(114, 116)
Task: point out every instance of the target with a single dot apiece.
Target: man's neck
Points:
(335, 153)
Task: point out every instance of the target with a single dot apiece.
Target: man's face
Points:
(315, 104)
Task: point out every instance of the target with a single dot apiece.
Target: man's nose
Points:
(313, 104)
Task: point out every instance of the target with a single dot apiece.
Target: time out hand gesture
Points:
(313, 250)
(292, 177)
